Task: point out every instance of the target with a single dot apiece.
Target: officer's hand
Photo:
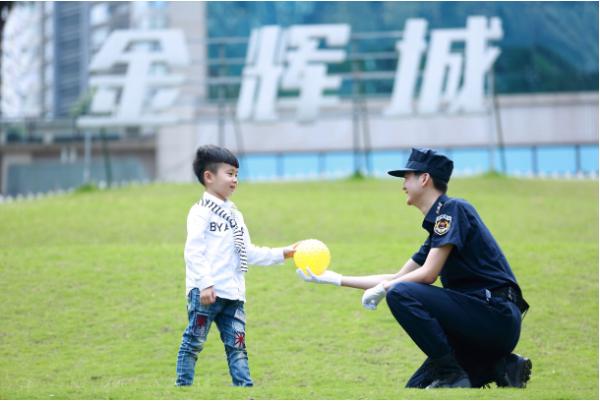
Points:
(373, 296)
(327, 277)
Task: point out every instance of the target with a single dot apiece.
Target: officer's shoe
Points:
(513, 371)
(449, 374)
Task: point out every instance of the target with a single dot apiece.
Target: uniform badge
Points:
(442, 224)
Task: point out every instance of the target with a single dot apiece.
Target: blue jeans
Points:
(231, 321)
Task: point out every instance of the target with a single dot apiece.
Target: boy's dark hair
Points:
(209, 157)
(438, 184)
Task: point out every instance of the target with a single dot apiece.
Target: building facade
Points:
(21, 62)
(541, 92)
(537, 85)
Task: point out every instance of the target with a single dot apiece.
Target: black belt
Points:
(513, 295)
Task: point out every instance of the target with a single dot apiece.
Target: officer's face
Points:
(413, 187)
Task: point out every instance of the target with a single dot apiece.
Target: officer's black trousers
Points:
(478, 330)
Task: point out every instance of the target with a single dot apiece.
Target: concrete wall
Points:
(141, 149)
(6, 160)
(524, 120)
(550, 119)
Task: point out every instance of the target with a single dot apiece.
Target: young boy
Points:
(217, 253)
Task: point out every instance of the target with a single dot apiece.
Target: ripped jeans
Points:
(230, 319)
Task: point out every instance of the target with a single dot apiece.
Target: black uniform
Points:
(476, 316)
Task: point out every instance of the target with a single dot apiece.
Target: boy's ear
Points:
(425, 178)
(208, 176)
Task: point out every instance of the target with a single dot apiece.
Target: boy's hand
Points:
(327, 277)
(208, 296)
(289, 251)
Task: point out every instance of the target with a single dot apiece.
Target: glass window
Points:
(99, 14)
(159, 69)
(48, 7)
(48, 52)
(99, 35)
(48, 28)
(546, 46)
(158, 22)
(68, 21)
(49, 74)
(120, 8)
(48, 103)
(158, 4)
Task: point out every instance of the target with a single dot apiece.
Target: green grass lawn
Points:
(93, 306)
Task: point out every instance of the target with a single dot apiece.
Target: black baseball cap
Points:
(427, 161)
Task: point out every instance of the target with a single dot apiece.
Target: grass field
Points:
(93, 307)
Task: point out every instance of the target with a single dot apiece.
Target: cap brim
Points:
(400, 173)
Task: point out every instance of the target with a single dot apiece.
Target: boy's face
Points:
(222, 183)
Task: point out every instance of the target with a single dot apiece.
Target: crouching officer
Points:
(469, 328)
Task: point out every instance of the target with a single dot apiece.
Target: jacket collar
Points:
(434, 211)
(222, 203)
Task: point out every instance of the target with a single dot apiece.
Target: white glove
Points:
(327, 277)
(373, 296)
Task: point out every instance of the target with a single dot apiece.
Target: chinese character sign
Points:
(307, 65)
(261, 76)
(291, 60)
(445, 68)
(133, 79)
(147, 88)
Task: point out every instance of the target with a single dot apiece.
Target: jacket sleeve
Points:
(262, 256)
(198, 271)
(420, 256)
(452, 226)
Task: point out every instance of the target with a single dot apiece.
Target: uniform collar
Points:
(434, 211)
(220, 202)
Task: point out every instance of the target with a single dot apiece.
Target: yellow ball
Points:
(314, 254)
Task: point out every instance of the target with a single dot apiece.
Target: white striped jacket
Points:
(210, 255)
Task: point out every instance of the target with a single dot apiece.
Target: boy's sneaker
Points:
(513, 371)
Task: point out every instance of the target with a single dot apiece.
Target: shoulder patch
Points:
(442, 224)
